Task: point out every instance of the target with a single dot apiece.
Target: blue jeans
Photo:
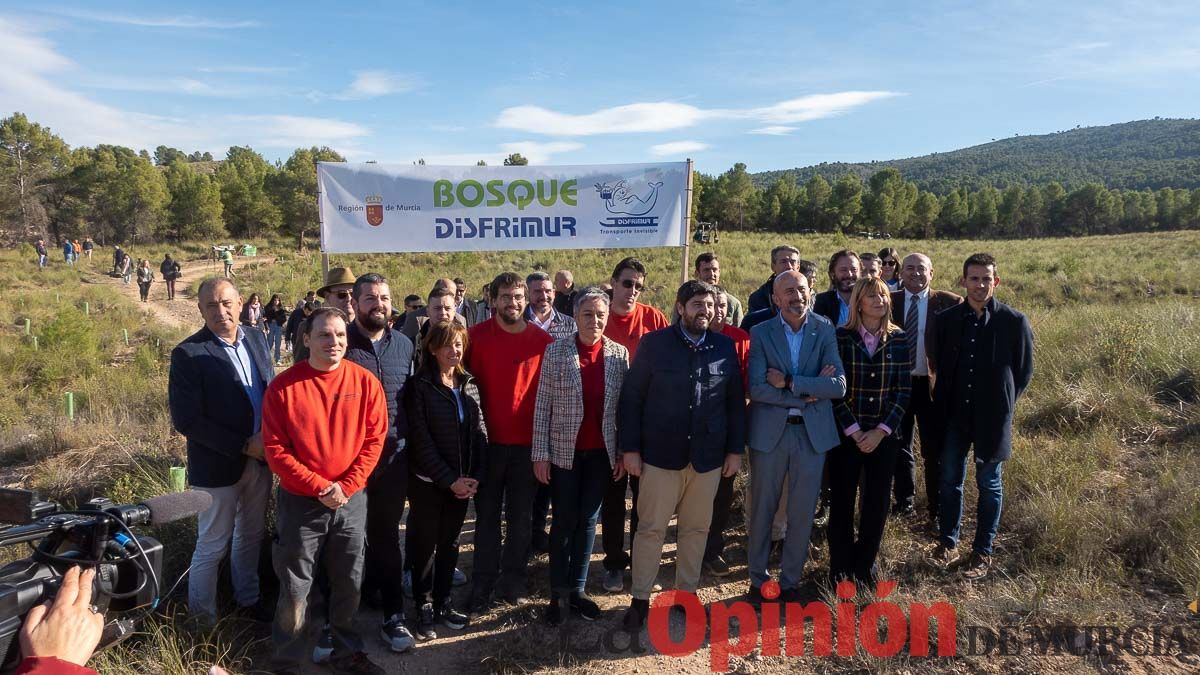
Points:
(276, 337)
(576, 494)
(987, 479)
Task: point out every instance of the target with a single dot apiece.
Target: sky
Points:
(775, 85)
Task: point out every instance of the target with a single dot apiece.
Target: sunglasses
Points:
(630, 283)
(889, 263)
(416, 308)
(342, 295)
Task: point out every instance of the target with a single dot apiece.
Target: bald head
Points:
(916, 272)
(446, 283)
(212, 286)
(790, 292)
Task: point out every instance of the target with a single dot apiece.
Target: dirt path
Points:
(182, 311)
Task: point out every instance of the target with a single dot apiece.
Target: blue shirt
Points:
(843, 310)
(243, 363)
(795, 340)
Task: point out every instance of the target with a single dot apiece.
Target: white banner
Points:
(377, 208)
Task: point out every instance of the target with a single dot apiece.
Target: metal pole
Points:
(687, 226)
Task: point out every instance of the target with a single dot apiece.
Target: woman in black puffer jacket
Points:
(446, 441)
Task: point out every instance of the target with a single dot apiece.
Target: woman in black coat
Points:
(446, 441)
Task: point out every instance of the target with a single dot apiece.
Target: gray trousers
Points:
(792, 466)
(238, 515)
(306, 528)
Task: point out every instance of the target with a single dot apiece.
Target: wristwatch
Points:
(787, 381)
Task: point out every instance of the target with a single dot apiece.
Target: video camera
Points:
(128, 566)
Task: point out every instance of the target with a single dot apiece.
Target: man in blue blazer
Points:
(980, 362)
(795, 374)
(218, 378)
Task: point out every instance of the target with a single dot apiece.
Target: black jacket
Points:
(754, 318)
(659, 415)
(1011, 369)
(440, 447)
(276, 315)
(761, 299)
(209, 406)
(392, 364)
(828, 305)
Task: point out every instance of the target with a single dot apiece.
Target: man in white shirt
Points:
(913, 308)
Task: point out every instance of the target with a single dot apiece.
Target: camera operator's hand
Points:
(333, 497)
(69, 629)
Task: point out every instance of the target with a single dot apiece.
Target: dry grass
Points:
(1102, 503)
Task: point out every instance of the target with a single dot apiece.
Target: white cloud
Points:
(636, 117)
(808, 108)
(36, 90)
(677, 148)
(666, 116)
(291, 131)
(176, 85)
(375, 83)
(180, 21)
(776, 130)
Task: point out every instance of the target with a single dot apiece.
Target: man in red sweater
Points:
(506, 359)
(628, 321)
(324, 425)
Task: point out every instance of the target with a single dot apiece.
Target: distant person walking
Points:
(42, 254)
(276, 315)
(145, 277)
(118, 256)
(227, 258)
(68, 250)
(170, 271)
(126, 267)
(88, 245)
(252, 312)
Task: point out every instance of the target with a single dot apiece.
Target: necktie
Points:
(911, 328)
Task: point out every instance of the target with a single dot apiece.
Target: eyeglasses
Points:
(889, 263)
(630, 283)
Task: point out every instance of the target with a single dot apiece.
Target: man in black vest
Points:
(844, 271)
(218, 378)
(373, 344)
(980, 360)
(783, 259)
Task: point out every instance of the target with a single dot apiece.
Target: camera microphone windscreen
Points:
(177, 505)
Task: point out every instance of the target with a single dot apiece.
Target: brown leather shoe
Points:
(943, 556)
(977, 567)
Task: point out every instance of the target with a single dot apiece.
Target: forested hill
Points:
(1135, 155)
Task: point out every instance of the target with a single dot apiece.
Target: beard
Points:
(509, 316)
(697, 324)
(374, 320)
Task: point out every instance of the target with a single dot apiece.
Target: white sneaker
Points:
(323, 652)
(396, 634)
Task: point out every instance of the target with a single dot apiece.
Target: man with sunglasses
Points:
(339, 282)
(628, 321)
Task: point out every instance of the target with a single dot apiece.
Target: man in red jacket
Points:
(324, 425)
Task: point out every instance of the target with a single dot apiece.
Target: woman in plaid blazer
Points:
(575, 446)
(875, 354)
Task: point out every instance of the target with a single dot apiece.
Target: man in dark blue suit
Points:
(980, 362)
(218, 378)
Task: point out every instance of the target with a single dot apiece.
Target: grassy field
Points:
(1102, 498)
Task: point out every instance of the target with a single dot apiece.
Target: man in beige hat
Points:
(339, 281)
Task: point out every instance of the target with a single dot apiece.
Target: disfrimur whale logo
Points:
(374, 210)
(630, 204)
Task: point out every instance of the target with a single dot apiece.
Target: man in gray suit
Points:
(795, 372)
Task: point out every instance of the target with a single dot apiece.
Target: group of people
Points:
(72, 250)
(552, 398)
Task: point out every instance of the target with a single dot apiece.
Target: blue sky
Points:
(772, 84)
